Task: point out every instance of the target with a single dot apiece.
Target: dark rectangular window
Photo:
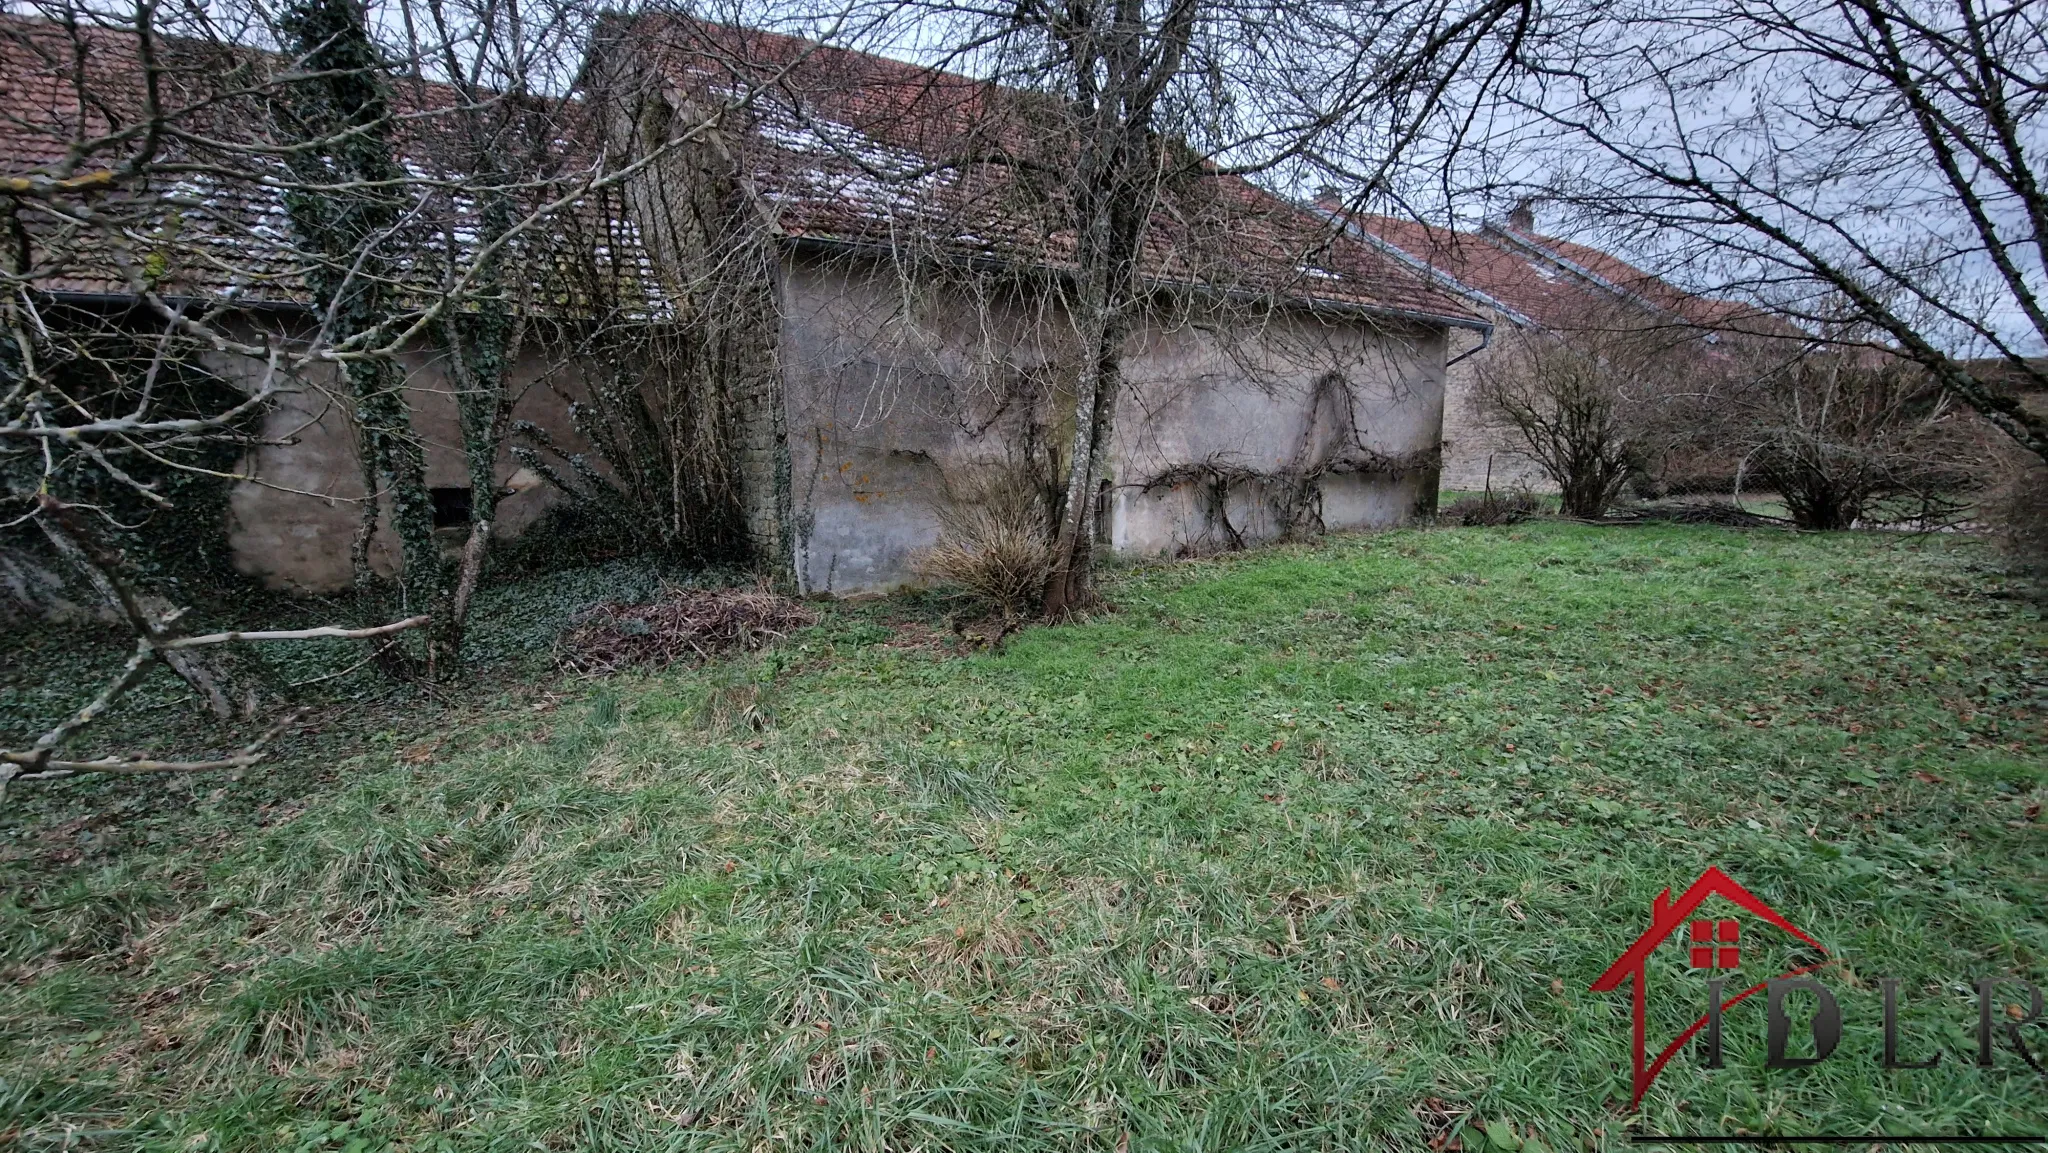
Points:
(451, 507)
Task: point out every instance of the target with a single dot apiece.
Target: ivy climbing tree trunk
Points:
(480, 347)
(344, 207)
(1118, 59)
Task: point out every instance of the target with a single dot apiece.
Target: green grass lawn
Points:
(1309, 848)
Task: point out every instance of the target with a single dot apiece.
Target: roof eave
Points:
(134, 300)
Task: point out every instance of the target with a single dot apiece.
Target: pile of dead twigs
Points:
(679, 624)
(1696, 512)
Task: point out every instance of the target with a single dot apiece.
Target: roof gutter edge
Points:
(133, 300)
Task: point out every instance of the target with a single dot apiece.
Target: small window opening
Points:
(451, 507)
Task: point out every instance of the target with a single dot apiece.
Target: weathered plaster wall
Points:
(1247, 398)
(1474, 442)
(889, 399)
(292, 525)
(893, 396)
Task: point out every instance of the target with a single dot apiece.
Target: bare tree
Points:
(1804, 152)
(1584, 405)
(121, 285)
(1117, 112)
(209, 209)
(1846, 436)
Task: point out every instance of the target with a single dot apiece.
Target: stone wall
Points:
(717, 261)
(1477, 446)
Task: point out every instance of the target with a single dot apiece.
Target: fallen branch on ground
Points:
(334, 632)
(52, 770)
(38, 762)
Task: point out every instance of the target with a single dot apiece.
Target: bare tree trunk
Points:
(361, 575)
(1071, 583)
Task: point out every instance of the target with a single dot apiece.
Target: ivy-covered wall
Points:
(290, 527)
(715, 254)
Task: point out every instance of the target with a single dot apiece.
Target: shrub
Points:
(2017, 512)
(1848, 437)
(995, 541)
(1583, 402)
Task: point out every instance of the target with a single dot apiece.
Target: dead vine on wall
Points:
(1294, 492)
(659, 388)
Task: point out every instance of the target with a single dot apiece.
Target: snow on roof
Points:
(211, 220)
(849, 147)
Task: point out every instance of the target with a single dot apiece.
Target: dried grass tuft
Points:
(995, 542)
(679, 624)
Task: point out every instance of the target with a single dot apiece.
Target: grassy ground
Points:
(1311, 848)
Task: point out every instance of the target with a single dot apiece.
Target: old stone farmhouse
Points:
(293, 523)
(915, 330)
(885, 317)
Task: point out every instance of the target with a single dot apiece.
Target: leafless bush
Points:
(1493, 508)
(1579, 402)
(1853, 437)
(994, 541)
(660, 479)
(2017, 512)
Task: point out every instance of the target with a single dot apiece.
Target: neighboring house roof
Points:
(209, 217)
(849, 148)
(1536, 280)
(1623, 279)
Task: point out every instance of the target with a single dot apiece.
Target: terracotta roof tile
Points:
(855, 148)
(1553, 283)
(847, 147)
(211, 220)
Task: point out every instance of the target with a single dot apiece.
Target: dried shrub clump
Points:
(679, 624)
(2017, 512)
(995, 542)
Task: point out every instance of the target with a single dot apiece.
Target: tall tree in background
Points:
(1887, 153)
